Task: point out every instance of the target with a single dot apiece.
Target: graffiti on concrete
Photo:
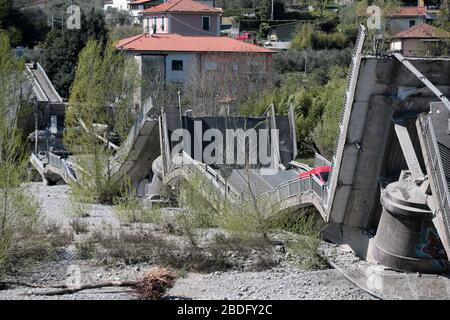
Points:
(431, 246)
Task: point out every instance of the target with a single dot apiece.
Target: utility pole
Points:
(271, 12)
(108, 138)
(62, 20)
(179, 107)
(35, 126)
(306, 59)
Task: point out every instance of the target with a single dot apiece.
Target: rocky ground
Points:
(284, 280)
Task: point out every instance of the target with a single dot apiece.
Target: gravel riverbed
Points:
(281, 282)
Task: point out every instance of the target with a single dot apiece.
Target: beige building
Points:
(419, 40)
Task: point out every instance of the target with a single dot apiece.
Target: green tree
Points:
(443, 19)
(102, 94)
(303, 37)
(331, 97)
(5, 9)
(61, 49)
(18, 210)
(117, 17)
(24, 27)
(265, 9)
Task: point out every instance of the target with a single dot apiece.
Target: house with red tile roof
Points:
(185, 17)
(181, 44)
(418, 40)
(407, 17)
(135, 7)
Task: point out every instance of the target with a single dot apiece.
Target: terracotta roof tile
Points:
(422, 31)
(141, 1)
(409, 12)
(182, 6)
(169, 42)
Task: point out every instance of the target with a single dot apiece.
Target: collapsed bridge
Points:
(387, 196)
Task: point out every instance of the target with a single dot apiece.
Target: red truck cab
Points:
(321, 173)
(246, 36)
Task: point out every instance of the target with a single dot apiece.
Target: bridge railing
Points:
(67, 173)
(54, 160)
(345, 114)
(436, 166)
(320, 161)
(185, 162)
(295, 187)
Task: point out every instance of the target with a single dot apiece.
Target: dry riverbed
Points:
(260, 273)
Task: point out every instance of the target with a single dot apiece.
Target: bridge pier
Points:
(406, 239)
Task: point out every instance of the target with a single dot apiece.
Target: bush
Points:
(130, 209)
(79, 226)
(307, 37)
(302, 39)
(19, 211)
(86, 249)
(332, 98)
(308, 225)
(336, 40)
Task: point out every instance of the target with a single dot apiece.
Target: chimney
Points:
(421, 3)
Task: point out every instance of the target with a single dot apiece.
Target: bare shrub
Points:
(79, 226)
(129, 209)
(197, 212)
(306, 248)
(223, 84)
(133, 247)
(43, 241)
(56, 236)
(86, 249)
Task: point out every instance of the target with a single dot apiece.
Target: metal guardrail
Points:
(296, 187)
(203, 170)
(54, 160)
(346, 110)
(66, 172)
(35, 161)
(289, 189)
(435, 164)
(59, 166)
(320, 161)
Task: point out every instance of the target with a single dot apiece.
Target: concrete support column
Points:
(406, 238)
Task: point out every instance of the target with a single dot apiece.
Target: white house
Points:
(181, 43)
(136, 7)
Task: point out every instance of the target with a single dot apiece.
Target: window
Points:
(162, 23)
(177, 65)
(211, 65)
(412, 23)
(206, 23)
(154, 24)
